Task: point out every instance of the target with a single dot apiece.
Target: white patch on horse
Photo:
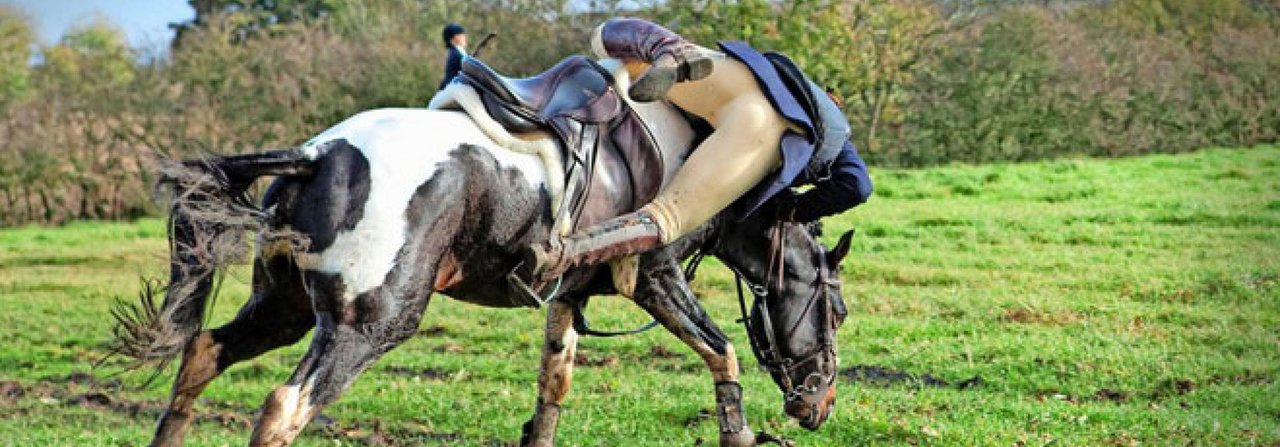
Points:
(459, 96)
(404, 148)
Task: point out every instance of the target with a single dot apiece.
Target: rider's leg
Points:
(671, 58)
(732, 160)
(735, 158)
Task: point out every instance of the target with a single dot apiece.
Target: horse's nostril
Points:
(812, 422)
(797, 409)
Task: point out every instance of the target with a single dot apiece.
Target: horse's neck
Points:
(747, 245)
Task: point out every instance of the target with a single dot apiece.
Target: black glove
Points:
(783, 206)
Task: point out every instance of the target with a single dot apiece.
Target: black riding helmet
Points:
(451, 30)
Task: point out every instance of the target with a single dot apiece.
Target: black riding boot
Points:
(624, 235)
(672, 59)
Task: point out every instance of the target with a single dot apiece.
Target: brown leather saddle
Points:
(613, 164)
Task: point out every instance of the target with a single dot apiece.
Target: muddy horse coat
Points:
(370, 218)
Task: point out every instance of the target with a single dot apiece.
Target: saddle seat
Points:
(576, 88)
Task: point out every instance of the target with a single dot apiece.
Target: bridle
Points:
(763, 342)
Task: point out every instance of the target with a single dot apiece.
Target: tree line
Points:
(923, 82)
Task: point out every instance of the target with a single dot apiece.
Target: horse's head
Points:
(797, 309)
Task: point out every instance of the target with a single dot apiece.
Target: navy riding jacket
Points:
(452, 63)
(845, 187)
(842, 185)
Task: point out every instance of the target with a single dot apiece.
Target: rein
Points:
(582, 326)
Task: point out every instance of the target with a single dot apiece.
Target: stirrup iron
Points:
(525, 295)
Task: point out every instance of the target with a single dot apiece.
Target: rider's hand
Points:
(784, 206)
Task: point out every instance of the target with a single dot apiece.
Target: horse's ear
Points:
(842, 248)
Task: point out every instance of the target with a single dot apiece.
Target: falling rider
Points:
(773, 130)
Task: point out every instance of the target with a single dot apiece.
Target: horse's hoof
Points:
(743, 438)
(767, 438)
(530, 439)
(525, 430)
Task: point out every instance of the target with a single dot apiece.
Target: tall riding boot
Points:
(671, 58)
(624, 235)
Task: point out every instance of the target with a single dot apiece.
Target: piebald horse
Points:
(369, 219)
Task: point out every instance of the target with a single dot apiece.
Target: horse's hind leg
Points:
(558, 350)
(277, 314)
(350, 336)
(663, 292)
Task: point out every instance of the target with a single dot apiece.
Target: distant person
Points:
(455, 39)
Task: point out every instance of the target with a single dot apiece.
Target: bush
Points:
(986, 81)
(990, 95)
(923, 82)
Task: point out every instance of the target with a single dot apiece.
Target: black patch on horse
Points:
(338, 205)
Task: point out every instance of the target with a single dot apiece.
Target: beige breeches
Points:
(738, 154)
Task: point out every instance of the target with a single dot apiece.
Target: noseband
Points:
(763, 342)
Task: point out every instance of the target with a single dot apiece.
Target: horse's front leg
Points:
(555, 375)
(663, 292)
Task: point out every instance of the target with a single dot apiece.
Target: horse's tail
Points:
(210, 218)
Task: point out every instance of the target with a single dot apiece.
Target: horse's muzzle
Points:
(812, 406)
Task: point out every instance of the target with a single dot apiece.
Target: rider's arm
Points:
(847, 186)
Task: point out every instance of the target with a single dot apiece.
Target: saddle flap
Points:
(512, 119)
(638, 148)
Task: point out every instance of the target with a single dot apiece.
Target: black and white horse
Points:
(368, 220)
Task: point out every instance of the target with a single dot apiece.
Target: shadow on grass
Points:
(884, 377)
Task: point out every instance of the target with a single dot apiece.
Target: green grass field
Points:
(1100, 302)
